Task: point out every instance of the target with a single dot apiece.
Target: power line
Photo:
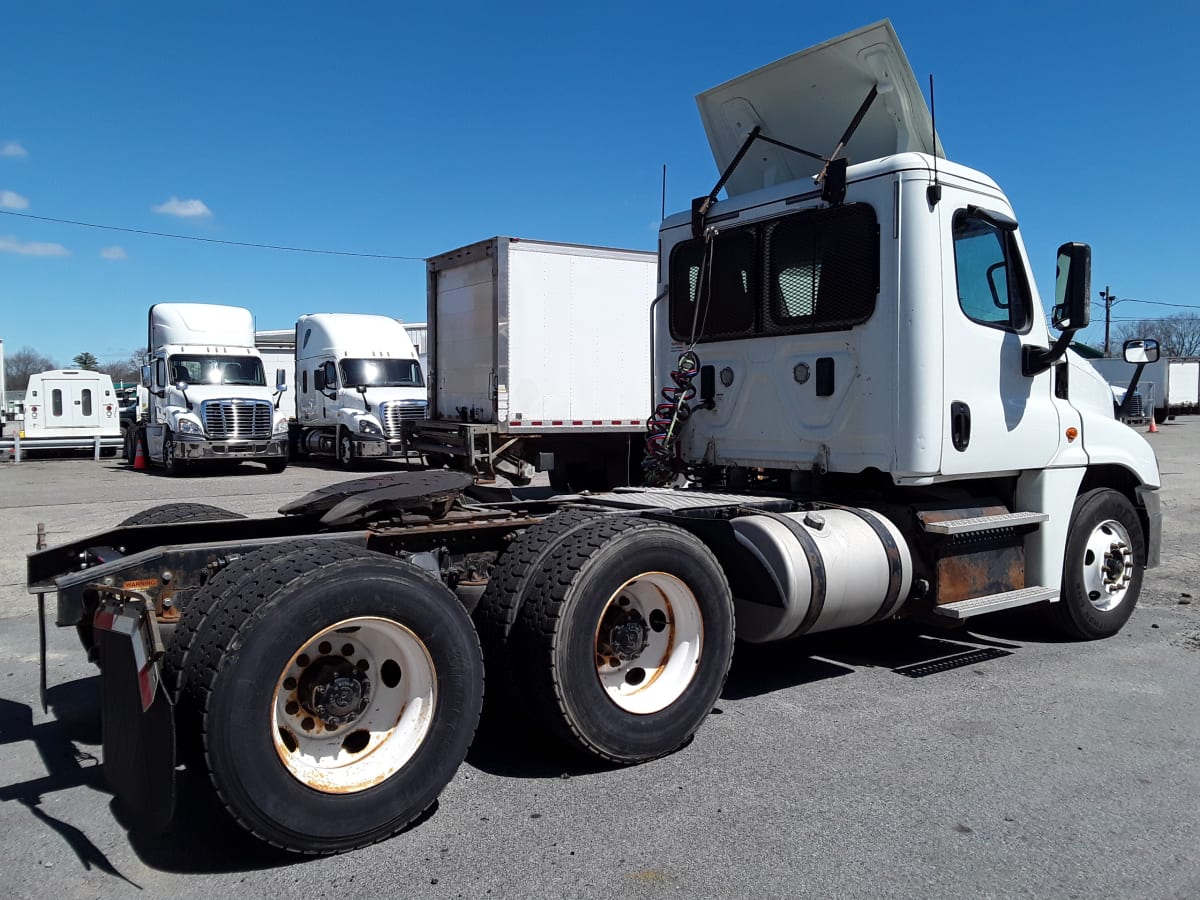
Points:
(192, 237)
(1151, 302)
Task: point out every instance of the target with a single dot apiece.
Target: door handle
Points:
(960, 425)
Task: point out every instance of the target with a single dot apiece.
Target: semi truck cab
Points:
(209, 398)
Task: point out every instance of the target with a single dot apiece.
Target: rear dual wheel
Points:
(626, 638)
(368, 682)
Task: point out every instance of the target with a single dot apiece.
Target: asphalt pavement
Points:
(831, 767)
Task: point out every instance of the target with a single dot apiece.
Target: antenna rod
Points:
(663, 214)
(934, 192)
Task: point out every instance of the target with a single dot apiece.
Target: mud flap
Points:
(138, 715)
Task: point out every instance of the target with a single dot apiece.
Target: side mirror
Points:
(281, 380)
(146, 377)
(1072, 296)
(1141, 350)
(1073, 288)
(319, 379)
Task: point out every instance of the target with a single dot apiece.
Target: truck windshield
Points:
(382, 373)
(245, 370)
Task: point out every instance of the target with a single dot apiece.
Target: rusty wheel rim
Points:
(353, 705)
(648, 642)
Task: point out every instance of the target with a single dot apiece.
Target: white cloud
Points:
(31, 248)
(13, 200)
(13, 150)
(114, 253)
(185, 209)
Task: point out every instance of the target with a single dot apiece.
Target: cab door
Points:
(996, 419)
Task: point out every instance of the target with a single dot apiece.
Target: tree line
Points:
(18, 366)
(1177, 335)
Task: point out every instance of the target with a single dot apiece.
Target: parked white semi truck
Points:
(865, 418)
(209, 400)
(539, 357)
(358, 381)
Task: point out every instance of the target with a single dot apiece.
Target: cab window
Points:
(992, 289)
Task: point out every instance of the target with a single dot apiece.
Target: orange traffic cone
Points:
(139, 458)
(1153, 426)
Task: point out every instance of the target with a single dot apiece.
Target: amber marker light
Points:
(1072, 433)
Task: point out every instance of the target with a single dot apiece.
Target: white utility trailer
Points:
(69, 409)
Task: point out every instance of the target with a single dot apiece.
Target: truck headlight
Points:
(281, 427)
(366, 426)
(187, 426)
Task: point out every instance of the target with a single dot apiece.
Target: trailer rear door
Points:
(463, 326)
(71, 403)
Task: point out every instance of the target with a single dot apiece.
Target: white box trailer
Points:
(539, 358)
(1172, 384)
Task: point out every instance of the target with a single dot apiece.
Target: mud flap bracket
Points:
(137, 713)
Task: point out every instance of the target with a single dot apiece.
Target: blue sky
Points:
(411, 129)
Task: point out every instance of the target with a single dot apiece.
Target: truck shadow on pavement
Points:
(69, 744)
(508, 745)
(60, 743)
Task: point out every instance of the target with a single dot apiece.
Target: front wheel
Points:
(172, 464)
(1103, 566)
(275, 466)
(626, 638)
(346, 456)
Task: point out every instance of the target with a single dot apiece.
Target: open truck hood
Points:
(808, 100)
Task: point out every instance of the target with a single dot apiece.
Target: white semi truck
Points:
(539, 358)
(208, 398)
(864, 418)
(358, 380)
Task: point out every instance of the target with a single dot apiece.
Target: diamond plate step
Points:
(976, 606)
(985, 523)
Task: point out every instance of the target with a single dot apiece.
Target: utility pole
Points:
(1109, 299)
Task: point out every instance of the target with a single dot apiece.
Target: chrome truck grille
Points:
(394, 413)
(244, 419)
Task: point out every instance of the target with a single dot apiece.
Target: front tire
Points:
(626, 638)
(275, 466)
(1103, 566)
(368, 682)
(172, 465)
(346, 456)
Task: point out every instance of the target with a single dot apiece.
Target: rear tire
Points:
(626, 639)
(369, 681)
(1103, 566)
(507, 592)
(171, 513)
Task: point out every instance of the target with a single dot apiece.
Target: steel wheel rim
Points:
(1107, 565)
(345, 447)
(394, 669)
(648, 642)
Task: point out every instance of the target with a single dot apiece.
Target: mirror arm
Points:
(1128, 401)
(1035, 360)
